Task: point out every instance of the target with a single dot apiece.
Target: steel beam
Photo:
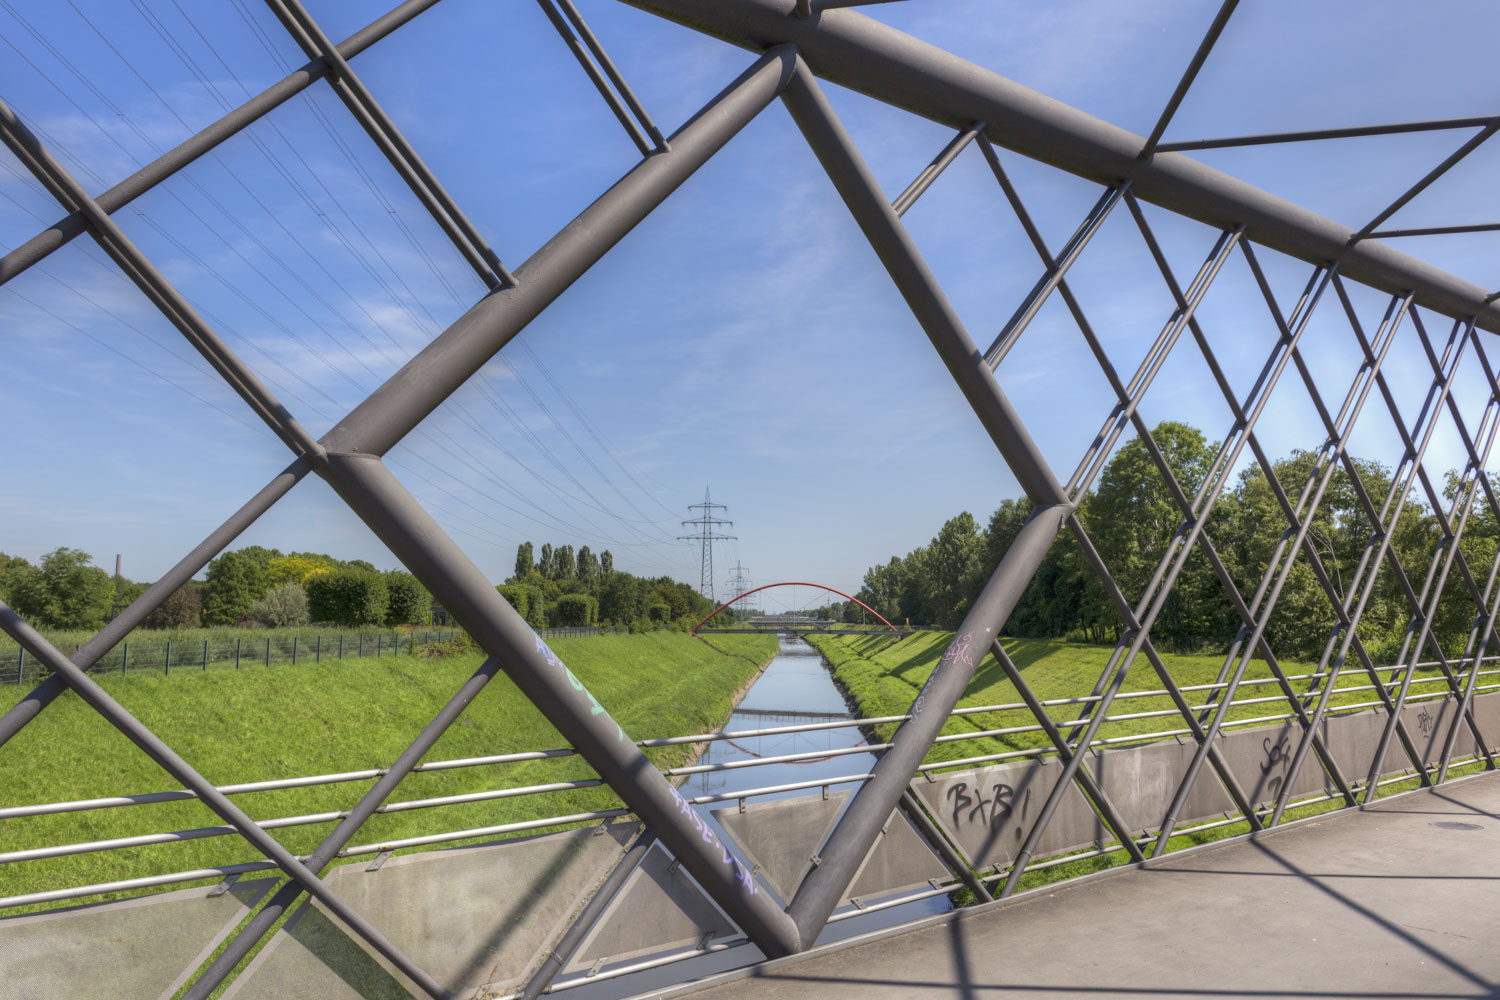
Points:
(823, 888)
(858, 52)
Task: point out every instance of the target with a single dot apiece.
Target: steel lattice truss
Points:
(799, 44)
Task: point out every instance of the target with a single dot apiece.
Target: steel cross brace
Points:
(1245, 612)
(75, 223)
(1435, 504)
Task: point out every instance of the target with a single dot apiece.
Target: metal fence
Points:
(1440, 317)
(201, 654)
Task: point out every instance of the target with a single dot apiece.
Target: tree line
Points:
(556, 586)
(253, 584)
(1131, 516)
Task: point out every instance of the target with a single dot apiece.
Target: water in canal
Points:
(795, 689)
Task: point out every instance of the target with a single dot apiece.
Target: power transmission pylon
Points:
(739, 582)
(706, 523)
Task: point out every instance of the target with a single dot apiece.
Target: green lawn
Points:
(884, 677)
(286, 721)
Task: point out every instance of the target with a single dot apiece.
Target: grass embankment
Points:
(882, 678)
(288, 721)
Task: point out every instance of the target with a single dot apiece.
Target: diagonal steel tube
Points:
(92, 694)
(267, 916)
(930, 173)
(615, 76)
(1042, 290)
(1369, 562)
(1244, 610)
(595, 76)
(867, 812)
(1349, 132)
(1427, 180)
(1215, 28)
(856, 51)
(1176, 554)
(388, 138)
(1417, 601)
(73, 225)
(153, 285)
(411, 534)
(23, 711)
(1084, 776)
(1123, 395)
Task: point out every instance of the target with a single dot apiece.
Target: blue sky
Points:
(743, 338)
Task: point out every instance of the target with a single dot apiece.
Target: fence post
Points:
(318, 653)
(268, 651)
(294, 650)
(341, 645)
(20, 665)
(125, 659)
(166, 669)
(237, 653)
(378, 640)
(205, 656)
(361, 644)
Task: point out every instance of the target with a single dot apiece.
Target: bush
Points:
(519, 598)
(347, 597)
(282, 606)
(407, 601)
(574, 610)
(183, 608)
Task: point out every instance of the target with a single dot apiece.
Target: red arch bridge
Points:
(794, 623)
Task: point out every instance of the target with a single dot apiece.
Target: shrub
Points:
(283, 605)
(347, 597)
(574, 610)
(519, 598)
(407, 601)
(183, 608)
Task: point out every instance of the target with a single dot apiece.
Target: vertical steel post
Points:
(124, 659)
(294, 650)
(205, 655)
(318, 655)
(268, 651)
(237, 653)
(166, 669)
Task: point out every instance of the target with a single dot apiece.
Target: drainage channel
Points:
(796, 688)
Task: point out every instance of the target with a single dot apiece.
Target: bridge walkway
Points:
(1400, 900)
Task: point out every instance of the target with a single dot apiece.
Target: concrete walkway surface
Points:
(1400, 900)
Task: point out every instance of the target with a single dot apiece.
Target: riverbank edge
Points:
(739, 695)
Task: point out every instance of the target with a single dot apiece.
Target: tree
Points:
(544, 564)
(66, 592)
(606, 564)
(952, 565)
(524, 564)
(562, 563)
(282, 606)
(183, 608)
(588, 567)
(295, 568)
(347, 597)
(577, 610)
(10, 566)
(407, 601)
(235, 581)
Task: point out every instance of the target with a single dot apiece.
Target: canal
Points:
(795, 689)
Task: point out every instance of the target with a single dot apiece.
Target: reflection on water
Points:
(795, 689)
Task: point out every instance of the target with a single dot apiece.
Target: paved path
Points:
(1402, 900)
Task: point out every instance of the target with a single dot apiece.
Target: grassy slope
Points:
(883, 678)
(287, 721)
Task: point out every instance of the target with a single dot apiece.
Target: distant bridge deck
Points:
(1400, 900)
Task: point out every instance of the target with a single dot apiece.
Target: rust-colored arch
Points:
(798, 583)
